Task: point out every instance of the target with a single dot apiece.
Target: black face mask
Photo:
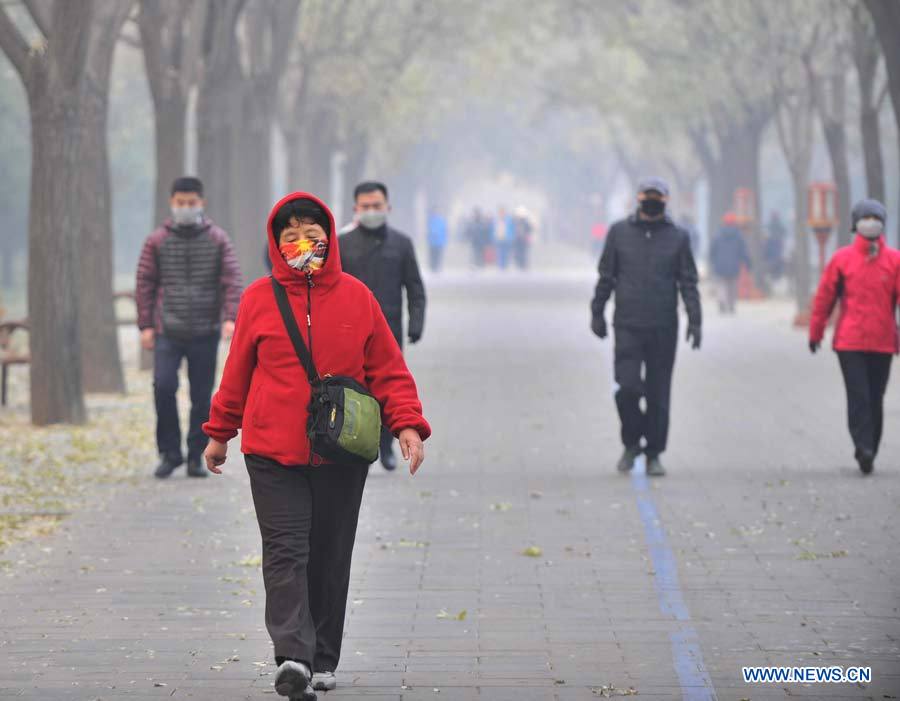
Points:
(653, 208)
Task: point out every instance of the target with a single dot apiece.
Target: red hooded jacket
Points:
(264, 389)
(868, 288)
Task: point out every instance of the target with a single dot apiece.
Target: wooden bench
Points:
(145, 357)
(9, 355)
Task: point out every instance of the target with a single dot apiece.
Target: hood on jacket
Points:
(291, 277)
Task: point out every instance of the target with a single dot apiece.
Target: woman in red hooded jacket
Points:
(307, 511)
(865, 276)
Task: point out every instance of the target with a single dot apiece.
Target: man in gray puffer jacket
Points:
(188, 289)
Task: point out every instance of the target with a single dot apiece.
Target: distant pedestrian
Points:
(646, 262)
(524, 228)
(471, 233)
(307, 507)
(687, 223)
(503, 235)
(728, 255)
(385, 260)
(438, 237)
(188, 287)
(864, 278)
(773, 251)
(598, 238)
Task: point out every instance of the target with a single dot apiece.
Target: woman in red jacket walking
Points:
(865, 276)
(307, 511)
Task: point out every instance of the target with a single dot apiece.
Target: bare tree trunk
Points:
(886, 16)
(866, 56)
(357, 150)
(833, 126)
(218, 105)
(101, 362)
(802, 271)
(312, 144)
(254, 193)
(54, 78)
(170, 120)
(55, 256)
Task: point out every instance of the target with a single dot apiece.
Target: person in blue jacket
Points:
(437, 239)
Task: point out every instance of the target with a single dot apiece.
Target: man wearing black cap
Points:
(188, 288)
(385, 260)
(646, 261)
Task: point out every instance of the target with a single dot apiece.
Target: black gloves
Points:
(415, 337)
(814, 346)
(598, 326)
(694, 335)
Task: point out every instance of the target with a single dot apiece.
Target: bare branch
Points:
(39, 15)
(14, 45)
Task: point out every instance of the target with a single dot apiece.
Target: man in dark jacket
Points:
(188, 288)
(647, 261)
(385, 260)
(727, 254)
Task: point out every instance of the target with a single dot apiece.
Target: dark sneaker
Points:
(324, 681)
(196, 468)
(866, 462)
(293, 680)
(654, 467)
(167, 465)
(626, 462)
(388, 460)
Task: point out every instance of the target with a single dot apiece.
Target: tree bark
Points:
(886, 16)
(101, 361)
(219, 104)
(832, 117)
(866, 57)
(55, 256)
(54, 76)
(254, 195)
(169, 126)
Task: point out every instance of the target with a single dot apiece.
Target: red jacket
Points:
(868, 289)
(264, 389)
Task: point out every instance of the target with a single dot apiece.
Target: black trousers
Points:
(307, 519)
(865, 378)
(644, 360)
(201, 354)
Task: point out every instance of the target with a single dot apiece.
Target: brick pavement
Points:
(782, 553)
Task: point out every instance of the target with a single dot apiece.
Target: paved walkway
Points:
(763, 545)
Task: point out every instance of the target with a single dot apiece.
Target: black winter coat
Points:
(646, 264)
(385, 260)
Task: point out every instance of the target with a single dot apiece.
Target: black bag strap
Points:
(290, 323)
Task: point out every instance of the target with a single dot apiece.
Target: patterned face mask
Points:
(304, 254)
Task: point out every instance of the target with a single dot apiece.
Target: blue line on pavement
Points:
(687, 657)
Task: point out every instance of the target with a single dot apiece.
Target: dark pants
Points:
(866, 378)
(644, 360)
(307, 519)
(201, 359)
(436, 258)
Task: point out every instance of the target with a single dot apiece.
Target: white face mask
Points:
(372, 219)
(871, 228)
(187, 216)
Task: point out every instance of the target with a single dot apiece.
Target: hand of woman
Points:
(215, 455)
(412, 448)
